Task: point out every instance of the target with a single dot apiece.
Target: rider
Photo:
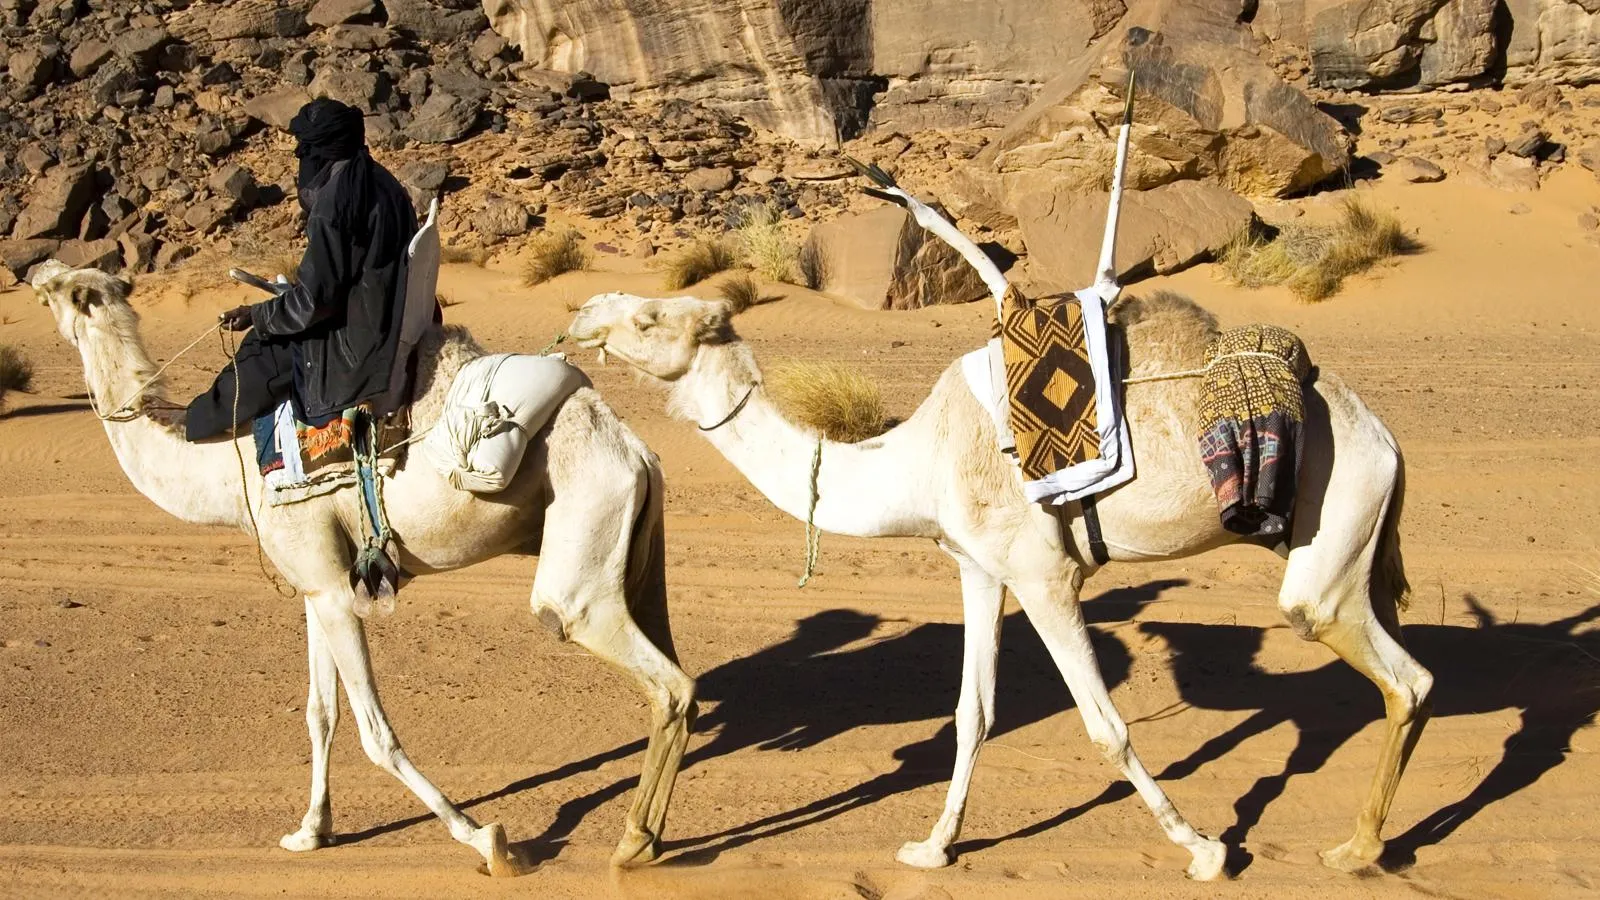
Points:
(329, 340)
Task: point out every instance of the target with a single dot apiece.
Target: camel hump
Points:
(1131, 310)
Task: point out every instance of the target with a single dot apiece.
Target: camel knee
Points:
(1307, 619)
(1413, 695)
(380, 745)
(975, 716)
(1111, 739)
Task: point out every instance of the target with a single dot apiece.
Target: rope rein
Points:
(813, 533)
(125, 412)
(229, 348)
(1196, 373)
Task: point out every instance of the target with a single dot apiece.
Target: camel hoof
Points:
(636, 848)
(305, 839)
(1352, 856)
(923, 855)
(490, 842)
(1209, 857)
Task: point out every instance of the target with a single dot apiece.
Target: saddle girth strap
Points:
(1091, 525)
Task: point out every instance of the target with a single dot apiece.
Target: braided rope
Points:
(813, 533)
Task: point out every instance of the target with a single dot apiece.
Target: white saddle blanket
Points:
(496, 403)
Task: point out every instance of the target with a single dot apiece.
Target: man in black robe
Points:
(329, 340)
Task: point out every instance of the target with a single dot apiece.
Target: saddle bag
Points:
(495, 405)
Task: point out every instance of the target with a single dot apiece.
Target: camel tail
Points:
(646, 582)
(1389, 583)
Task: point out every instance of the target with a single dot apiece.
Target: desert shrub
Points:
(1313, 260)
(697, 262)
(553, 253)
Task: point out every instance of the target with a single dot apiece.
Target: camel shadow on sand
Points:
(1550, 673)
(807, 689)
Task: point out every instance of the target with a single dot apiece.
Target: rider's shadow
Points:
(1550, 673)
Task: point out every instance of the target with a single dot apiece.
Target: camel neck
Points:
(198, 483)
(862, 489)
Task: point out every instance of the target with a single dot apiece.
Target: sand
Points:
(152, 684)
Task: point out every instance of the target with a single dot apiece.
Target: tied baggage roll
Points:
(495, 405)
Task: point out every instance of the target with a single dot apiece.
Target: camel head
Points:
(659, 337)
(78, 297)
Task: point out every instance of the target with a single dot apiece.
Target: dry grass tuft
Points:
(16, 373)
(697, 262)
(554, 253)
(473, 256)
(765, 244)
(1314, 260)
(740, 292)
(832, 398)
(812, 265)
(269, 261)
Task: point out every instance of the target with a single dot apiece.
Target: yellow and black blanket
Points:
(1050, 385)
(1252, 419)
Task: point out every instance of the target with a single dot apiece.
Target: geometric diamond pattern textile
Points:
(1050, 385)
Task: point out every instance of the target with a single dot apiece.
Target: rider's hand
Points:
(237, 319)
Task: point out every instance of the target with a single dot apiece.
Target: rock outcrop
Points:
(1385, 44)
(882, 259)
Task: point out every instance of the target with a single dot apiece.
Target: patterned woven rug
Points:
(1252, 419)
(1050, 384)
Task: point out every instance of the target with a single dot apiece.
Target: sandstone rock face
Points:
(1161, 230)
(882, 259)
(1378, 44)
(57, 205)
(1206, 107)
(769, 66)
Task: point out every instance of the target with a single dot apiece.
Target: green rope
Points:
(560, 338)
(813, 533)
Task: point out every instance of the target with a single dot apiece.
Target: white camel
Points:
(587, 499)
(940, 475)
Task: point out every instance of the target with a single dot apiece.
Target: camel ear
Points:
(84, 297)
(715, 326)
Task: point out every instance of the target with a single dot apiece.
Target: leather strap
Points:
(1091, 524)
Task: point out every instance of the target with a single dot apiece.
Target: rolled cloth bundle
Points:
(1252, 419)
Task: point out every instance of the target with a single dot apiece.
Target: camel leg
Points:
(322, 717)
(1059, 622)
(1405, 684)
(347, 643)
(1335, 594)
(981, 599)
(579, 592)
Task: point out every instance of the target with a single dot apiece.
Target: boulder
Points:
(1413, 169)
(1206, 107)
(426, 21)
(361, 37)
(328, 13)
(236, 184)
(141, 46)
(1513, 173)
(443, 118)
(36, 159)
(111, 80)
(256, 19)
(716, 179)
(19, 255)
(1161, 230)
(87, 57)
(32, 70)
(502, 217)
(207, 215)
(138, 251)
(57, 204)
(277, 108)
(102, 254)
(882, 259)
(489, 45)
(362, 90)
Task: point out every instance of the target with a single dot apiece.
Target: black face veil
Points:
(331, 133)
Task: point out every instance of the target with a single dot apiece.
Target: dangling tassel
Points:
(377, 578)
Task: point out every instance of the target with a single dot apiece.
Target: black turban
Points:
(331, 132)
